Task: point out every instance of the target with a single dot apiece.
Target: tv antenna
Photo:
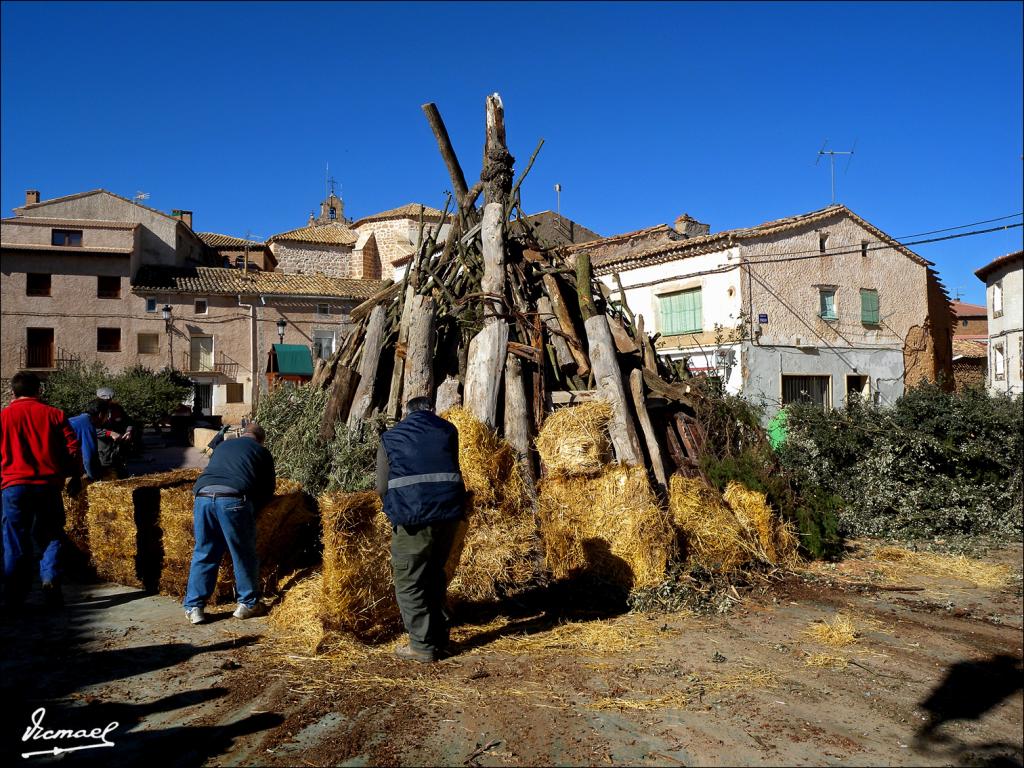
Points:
(832, 162)
(558, 199)
(140, 196)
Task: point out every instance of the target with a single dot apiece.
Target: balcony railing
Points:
(222, 365)
(45, 358)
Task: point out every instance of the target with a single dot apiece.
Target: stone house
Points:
(1004, 299)
(970, 362)
(817, 307)
(238, 252)
(971, 320)
(67, 267)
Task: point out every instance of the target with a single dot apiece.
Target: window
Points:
(37, 284)
(868, 306)
(323, 310)
(864, 248)
(323, 344)
(822, 239)
(201, 307)
(151, 305)
(108, 339)
(201, 353)
(681, 312)
(997, 299)
(234, 393)
(998, 362)
(149, 343)
(964, 322)
(39, 348)
(333, 214)
(72, 237)
(108, 287)
(857, 386)
(827, 303)
(806, 389)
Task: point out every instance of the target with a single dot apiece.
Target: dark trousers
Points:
(418, 556)
(31, 513)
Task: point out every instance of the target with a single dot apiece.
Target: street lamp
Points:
(281, 325)
(168, 326)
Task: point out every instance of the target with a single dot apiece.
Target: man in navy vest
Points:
(419, 480)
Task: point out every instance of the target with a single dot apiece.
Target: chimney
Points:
(31, 196)
(185, 216)
(687, 226)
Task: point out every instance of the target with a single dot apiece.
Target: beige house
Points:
(813, 307)
(222, 323)
(238, 252)
(67, 267)
(1004, 298)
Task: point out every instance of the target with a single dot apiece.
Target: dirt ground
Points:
(930, 674)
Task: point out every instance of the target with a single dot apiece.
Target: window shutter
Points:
(681, 312)
(868, 307)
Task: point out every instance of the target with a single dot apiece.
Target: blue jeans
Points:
(31, 513)
(223, 523)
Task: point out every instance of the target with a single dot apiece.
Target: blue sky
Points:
(648, 110)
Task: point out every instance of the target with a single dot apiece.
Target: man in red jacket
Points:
(38, 449)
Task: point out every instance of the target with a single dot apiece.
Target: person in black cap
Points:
(419, 479)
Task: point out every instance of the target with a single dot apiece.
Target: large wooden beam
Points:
(608, 379)
(566, 362)
(342, 388)
(444, 144)
(492, 285)
(362, 402)
(419, 355)
(565, 324)
(448, 394)
(395, 392)
(484, 371)
(517, 416)
(636, 388)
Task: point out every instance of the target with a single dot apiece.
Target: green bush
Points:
(145, 395)
(291, 417)
(935, 464)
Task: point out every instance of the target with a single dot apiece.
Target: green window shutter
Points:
(868, 306)
(828, 304)
(681, 312)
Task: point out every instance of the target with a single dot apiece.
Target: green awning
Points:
(291, 360)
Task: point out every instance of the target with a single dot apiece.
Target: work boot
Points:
(195, 615)
(407, 653)
(244, 611)
(53, 597)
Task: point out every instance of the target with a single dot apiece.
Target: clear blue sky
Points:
(648, 110)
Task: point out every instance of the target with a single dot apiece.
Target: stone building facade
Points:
(818, 306)
(1004, 299)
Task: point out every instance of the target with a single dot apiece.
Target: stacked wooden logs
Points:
(488, 319)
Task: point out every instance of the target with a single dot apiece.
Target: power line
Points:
(801, 255)
(962, 226)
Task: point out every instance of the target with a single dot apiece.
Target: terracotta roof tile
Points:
(210, 280)
(963, 309)
(969, 348)
(215, 240)
(334, 233)
(84, 223)
(409, 211)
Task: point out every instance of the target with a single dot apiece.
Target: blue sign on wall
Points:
(763, 318)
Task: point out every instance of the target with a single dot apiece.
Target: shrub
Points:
(291, 417)
(935, 464)
(145, 395)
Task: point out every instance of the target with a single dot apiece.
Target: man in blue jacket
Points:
(419, 479)
(234, 487)
(85, 426)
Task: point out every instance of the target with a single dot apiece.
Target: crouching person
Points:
(419, 479)
(236, 484)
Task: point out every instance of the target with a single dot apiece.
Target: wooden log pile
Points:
(488, 319)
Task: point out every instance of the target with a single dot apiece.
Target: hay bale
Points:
(76, 518)
(297, 617)
(575, 440)
(772, 537)
(358, 592)
(713, 537)
(124, 532)
(610, 526)
(725, 532)
(497, 550)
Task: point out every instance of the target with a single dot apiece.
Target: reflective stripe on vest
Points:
(432, 477)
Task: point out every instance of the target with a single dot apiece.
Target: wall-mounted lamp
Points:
(281, 325)
(168, 325)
